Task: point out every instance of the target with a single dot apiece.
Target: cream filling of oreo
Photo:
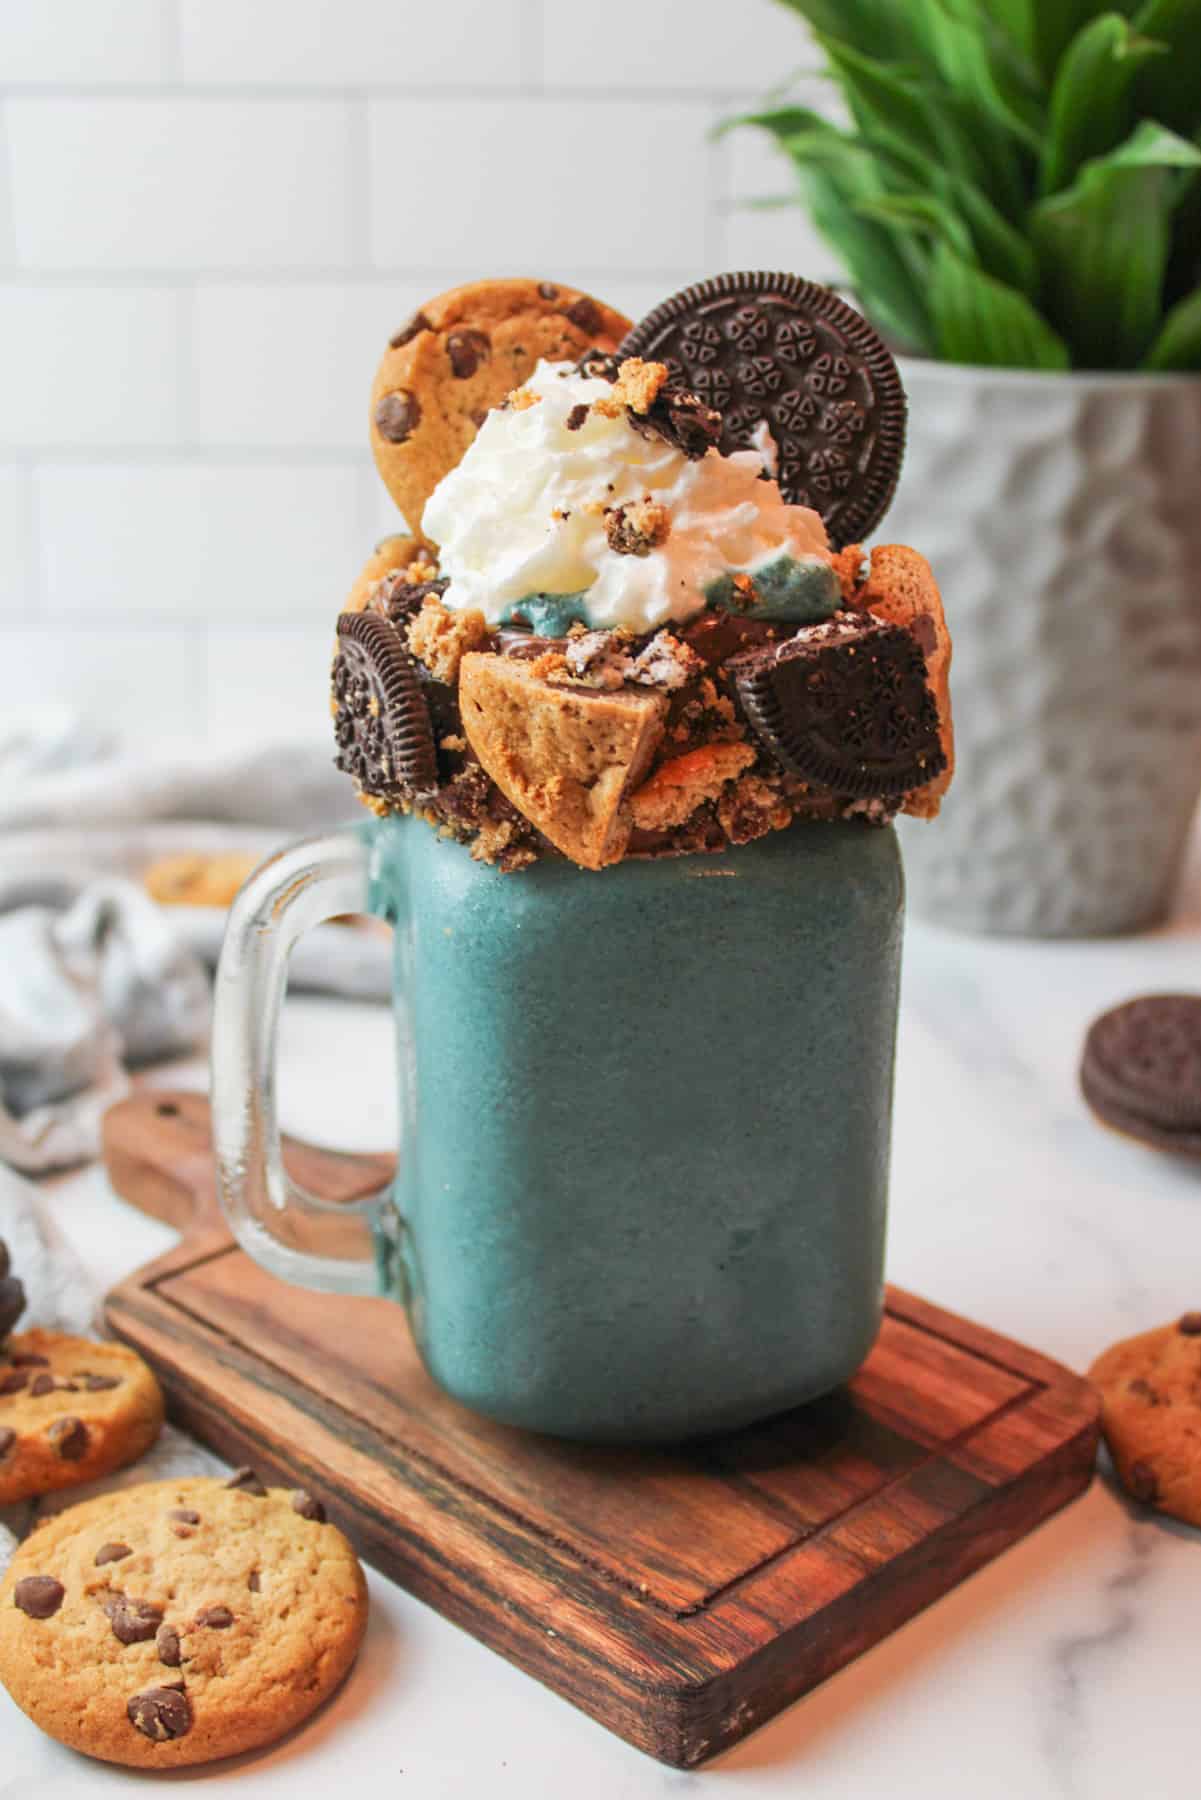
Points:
(524, 513)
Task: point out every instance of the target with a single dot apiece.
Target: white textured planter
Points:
(1062, 516)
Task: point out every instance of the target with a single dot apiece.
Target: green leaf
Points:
(837, 172)
(924, 214)
(979, 320)
(1103, 247)
(1092, 104)
(1053, 25)
(876, 26)
(955, 41)
(1001, 249)
(926, 127)
(1170, 90)
(1178, 345)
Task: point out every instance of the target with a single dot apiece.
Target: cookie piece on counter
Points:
(1150, 1389)
(565, 757)
(197, 878)
(459, 356)
(1141, 1071)
(180, 1621)
(71, 1409)
(898, 586)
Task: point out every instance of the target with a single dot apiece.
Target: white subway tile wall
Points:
(212, 214)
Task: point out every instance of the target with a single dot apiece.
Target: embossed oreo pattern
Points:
(848, 706)
(381, 720)
(774, 348)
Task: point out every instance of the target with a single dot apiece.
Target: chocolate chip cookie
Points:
(394, 556)
(180, 1621)
(71, 1409)
(198, 878)
(458, 356)
(1151, 1415)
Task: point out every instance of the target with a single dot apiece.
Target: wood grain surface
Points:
(681, 1596)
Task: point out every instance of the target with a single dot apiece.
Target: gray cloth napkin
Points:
(94, 977)
(61, 1298)
(92, 980)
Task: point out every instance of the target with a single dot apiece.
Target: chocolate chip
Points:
(1143, 1483)
(166, 1642)
(185, 1515)
(14, 1381)
(408, 332)
(40, 1596)
(217, 1618)
(576, 416)
(1190, 1324)
(69, 1437)
(109, 1553)
(133, 1621)
(246, 1481)
(28, 1359)
(397, 415)
(8, 1438)
(12, 1304)
(99, 1384)
(160, 1713)
(41, 1384)
(467, 350)
(308, 1508)
(253, 1581)
(585, 313)
(548, 290)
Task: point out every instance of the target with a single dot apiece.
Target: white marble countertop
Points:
(1066, 1670)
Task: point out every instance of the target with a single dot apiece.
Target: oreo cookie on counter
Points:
(1141, 1071)
(381, 718)
(776, 350)
(846, 704)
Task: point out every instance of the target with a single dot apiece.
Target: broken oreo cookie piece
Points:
(846, 704)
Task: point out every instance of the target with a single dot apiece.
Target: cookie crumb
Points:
(521, 399)
(638, 527)
(441, 638)
(638, 383)
(675, 790)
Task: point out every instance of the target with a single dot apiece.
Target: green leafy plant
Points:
(1019, 182)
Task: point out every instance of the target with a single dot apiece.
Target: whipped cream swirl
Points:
(524, 513)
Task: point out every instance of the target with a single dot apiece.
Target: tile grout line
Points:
(359, 202)
(272, 275)
(34, 574)
(172, 44)
(8, 196)
(532, 61)
(184, 309)
(428, 93)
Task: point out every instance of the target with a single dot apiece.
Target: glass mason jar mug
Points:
(645, 1119)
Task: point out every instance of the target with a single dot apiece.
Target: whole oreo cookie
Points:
(846, 704)
(777, 350)
(381, 720)
(1141, 1070)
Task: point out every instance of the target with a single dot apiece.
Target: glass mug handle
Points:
(344, 1247)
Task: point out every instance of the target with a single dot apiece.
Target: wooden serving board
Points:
(681, 1596)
